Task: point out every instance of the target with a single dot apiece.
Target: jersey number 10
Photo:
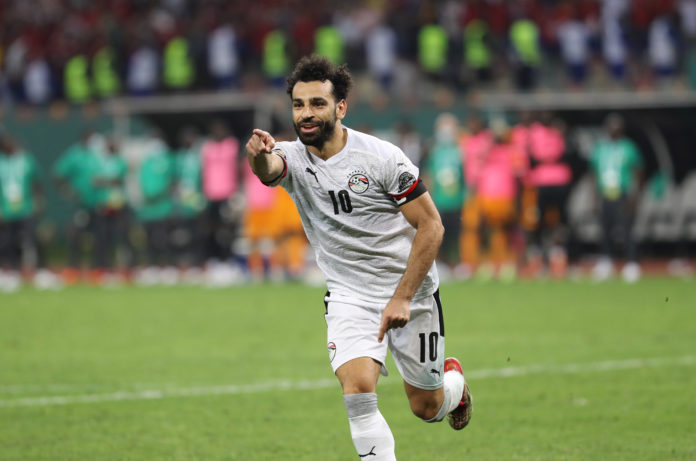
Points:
(430, 344)
(343, 199)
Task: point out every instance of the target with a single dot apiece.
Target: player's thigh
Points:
(419, 348)
(352, 333)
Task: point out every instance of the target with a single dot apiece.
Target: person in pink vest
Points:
(220, 176)
(260, 226)
(550, 175)
(474, 146)
(497, 187)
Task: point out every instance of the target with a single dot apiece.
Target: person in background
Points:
(260, 228)
(110, 214)
(526, 52)
(381, 53)
(20, 203)
(142, 73)
(574, 41)
(38, 79)
(445, 180)
(220, 175)
(223, 55)
(291, 246)
(73, 173)
(155, 212)
(521, 136)
(550, 176)
(663, 47)
(615, 48)
(190, 202)
(498, 188)
(474, 147)
(617, 166)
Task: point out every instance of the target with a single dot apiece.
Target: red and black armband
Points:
(415, 190)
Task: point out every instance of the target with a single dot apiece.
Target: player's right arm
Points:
(268, 166)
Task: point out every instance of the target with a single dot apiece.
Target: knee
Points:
(425, 408)
(358, 387)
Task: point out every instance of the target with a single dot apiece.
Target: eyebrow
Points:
(313, 99)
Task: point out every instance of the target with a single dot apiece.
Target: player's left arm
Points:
(421, 214)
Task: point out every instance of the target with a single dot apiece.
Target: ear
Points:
(341, 108)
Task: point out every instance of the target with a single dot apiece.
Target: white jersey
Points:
(349, 205)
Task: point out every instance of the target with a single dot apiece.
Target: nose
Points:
(306, 112)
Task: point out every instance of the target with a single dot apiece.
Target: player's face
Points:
(315, 112)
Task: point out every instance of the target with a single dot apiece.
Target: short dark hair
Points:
(318, 68)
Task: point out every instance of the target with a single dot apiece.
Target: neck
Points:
(334, 145)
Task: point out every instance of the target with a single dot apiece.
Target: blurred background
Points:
(556, 137)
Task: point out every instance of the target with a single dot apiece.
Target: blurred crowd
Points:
(503, 193)
(149, 212)
(85, 50)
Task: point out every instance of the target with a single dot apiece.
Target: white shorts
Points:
(418, 348)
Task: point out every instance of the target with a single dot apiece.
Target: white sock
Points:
(453, 387)
(371, 435)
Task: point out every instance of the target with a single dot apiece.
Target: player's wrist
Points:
(402, 297)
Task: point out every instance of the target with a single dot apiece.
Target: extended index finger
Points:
(261, 134)
(266, 139)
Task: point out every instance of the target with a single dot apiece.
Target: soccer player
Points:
(74, 175)
(445, 175)
(21, 198)
(110, 213)
(190, 202)
(376, 232)
(156, 180)
(618, 171)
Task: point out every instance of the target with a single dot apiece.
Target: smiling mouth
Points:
(309, 128)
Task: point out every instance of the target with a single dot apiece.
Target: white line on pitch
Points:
(289, 385)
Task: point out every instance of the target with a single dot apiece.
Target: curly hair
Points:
(318, 68)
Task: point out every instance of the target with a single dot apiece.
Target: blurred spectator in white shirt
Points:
(381, 53)
(574, 41)
(662, 46)
(143, 70)
(15, 63)
(38, 81)
(223, 56)
(614, 49)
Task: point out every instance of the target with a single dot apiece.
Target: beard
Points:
(318, 138)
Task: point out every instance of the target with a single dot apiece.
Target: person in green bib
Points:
(155, 212)
(73, 173)
(190, 203)
(19, 197)
(526, 52)
(617, 166)
(445, 175)
(110, 207)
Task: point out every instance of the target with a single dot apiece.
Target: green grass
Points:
(557, 403)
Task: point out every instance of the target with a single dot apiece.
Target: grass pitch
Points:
(563, 370)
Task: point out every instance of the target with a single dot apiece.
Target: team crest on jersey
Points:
(358, 183)
(406, 180)
(332, 351)
(357, 180)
